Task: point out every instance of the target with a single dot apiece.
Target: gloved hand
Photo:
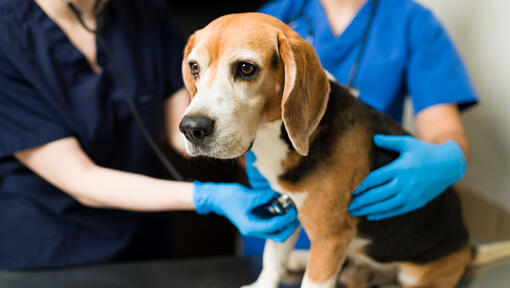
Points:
(421, 173)
(256, 180)
(237, 203)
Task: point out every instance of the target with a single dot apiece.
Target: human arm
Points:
(175, 106)
(440, 123)
(65, 165)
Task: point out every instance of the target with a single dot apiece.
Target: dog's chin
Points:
(191, 150)
(217, 151)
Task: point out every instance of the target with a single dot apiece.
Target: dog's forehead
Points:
(238, 32)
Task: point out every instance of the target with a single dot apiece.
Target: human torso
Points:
(91, 106)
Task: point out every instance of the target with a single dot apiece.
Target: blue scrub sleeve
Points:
(285, 10)
(435, 72)
(26, 119)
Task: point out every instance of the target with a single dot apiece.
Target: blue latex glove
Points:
(237, 203)
(256, 180)
(420, 174)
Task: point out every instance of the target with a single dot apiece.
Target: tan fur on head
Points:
(306, 90)
(290, 84)
(186, 74)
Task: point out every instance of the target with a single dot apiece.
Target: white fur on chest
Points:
(270, 151)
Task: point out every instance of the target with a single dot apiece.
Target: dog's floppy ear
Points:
(189, 82)
(306, 90)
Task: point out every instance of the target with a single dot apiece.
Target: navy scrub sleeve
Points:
(26, 118)
(48, 92)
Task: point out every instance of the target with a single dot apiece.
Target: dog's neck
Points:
(272, 144)
(270, 150)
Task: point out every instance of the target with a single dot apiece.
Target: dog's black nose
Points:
(196, 128)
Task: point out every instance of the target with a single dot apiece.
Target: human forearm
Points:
(440, 123)
(107, 188)
(457, 136)
(65, 165)
(174, 110)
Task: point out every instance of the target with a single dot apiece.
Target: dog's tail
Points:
(487, 253)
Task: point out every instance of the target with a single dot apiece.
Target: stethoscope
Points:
(310, 32)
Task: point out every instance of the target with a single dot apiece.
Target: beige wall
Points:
(481, 32)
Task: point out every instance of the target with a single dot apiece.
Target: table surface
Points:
(197, 273)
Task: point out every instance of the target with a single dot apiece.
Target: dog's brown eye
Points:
(246, 69)
(195, 69)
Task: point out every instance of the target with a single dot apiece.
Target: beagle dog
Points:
(256, 84)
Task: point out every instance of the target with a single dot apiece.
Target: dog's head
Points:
(243, 70)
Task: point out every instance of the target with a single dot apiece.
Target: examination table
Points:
(197, 273)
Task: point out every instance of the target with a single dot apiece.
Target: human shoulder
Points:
(417, 12)
(421, 22)
(283, 9)
(16, 9)
(11, 21)
(410, 17)
(19, 23)
(406, 8)
(18, 15)
(6, 4)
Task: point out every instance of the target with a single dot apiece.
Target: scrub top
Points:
(407, 53)
(49, 92)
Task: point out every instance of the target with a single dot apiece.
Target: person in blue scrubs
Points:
(404, 51)
(75, 171)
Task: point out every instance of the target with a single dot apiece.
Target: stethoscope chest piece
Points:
(281, 205)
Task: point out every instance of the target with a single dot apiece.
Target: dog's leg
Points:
(274, 262)
(326, 258)
(298, 260)
(443, 273)
(359, 274)
(331, 230)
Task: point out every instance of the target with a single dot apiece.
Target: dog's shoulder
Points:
(337, 119)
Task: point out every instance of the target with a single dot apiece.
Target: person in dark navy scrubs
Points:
(76, 172)
(395, 48)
